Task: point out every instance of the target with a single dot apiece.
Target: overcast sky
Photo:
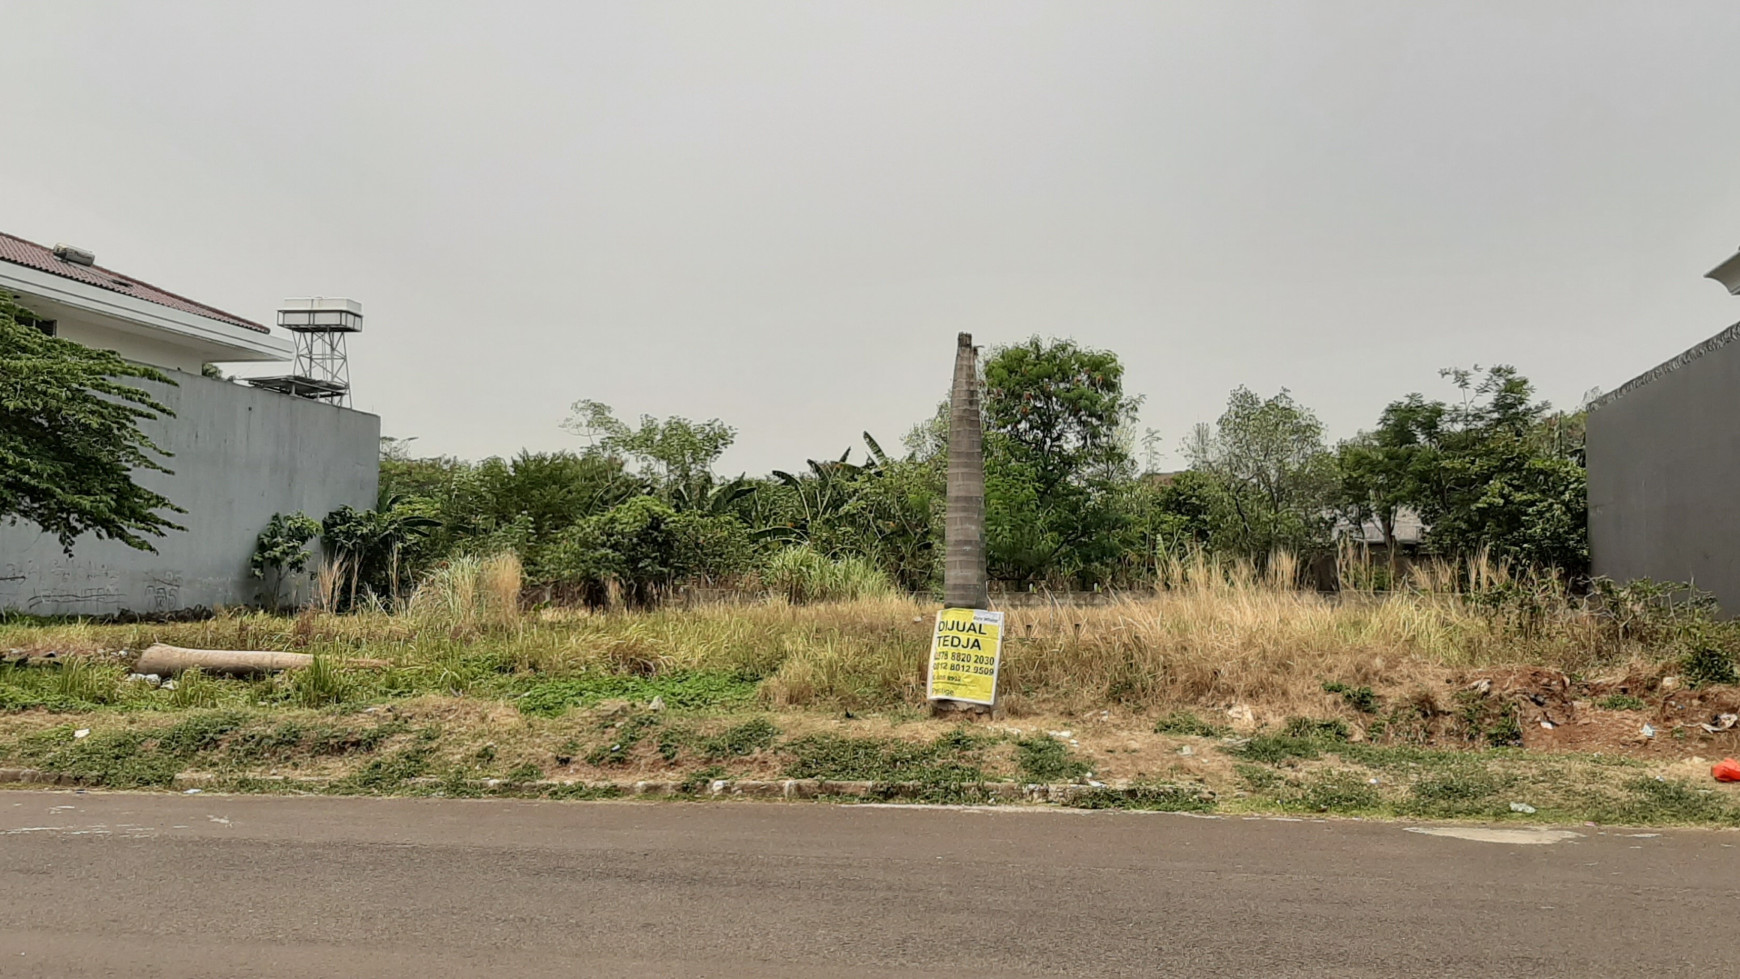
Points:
(781, 214)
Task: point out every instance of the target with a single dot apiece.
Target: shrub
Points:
(642, 547)
(802, 575)
(1046, 759)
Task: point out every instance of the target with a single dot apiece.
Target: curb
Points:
(784, 790)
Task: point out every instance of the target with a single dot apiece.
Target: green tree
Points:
(1498, 471)
(675, 454)
(370, 546)
(1269, 457)
(70, 442)
(281, 549)
(1055, 414)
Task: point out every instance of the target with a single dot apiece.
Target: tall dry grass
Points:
(1219, 634)
(468, 593)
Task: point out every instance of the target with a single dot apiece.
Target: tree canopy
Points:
(70, 441)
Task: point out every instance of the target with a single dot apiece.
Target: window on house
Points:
(46, 326)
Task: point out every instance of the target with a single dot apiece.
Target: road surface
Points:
(142, 885)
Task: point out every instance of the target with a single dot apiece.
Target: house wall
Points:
(240, 455)
(1664, 475)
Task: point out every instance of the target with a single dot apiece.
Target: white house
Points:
(239, 453)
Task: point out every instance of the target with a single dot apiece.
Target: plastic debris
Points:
(1723, 722)
(168, 685)
(1649, 730)
(1547, 724)
(656, 704)
(1186, 750)
(1521, 807)
(191, 792)
(83, 732)
(1726, 770)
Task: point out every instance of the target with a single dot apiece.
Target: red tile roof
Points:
(31, 255)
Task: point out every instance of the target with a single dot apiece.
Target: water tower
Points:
(320, 370)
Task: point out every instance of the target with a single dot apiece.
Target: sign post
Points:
(965, 654)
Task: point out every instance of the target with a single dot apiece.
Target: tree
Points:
(1382, 470)
(281, 550)
(676, 454)
(1498, 472)
(369, 546)
(70, 442)
(1269, 456)
(1055, 414)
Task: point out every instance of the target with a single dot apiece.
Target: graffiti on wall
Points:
(65, 586)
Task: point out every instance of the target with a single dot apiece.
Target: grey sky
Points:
(781, 214)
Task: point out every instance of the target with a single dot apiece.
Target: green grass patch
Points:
(679, 691)
(1361, 699)
(1044, 759)
(1620, 701)
(954, 758)
(1183, 722)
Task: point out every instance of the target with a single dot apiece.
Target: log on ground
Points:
(166, 660)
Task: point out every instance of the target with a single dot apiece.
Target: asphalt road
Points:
(204, 885)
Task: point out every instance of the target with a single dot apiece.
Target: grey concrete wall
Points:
(240, 455)
(1664, 474)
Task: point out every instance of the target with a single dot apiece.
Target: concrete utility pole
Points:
(964, 521)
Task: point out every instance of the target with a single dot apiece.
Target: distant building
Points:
(239, 453)
(1664, 469)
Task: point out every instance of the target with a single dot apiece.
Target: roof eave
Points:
(239, 342)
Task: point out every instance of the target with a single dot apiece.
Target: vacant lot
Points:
(1235, 696)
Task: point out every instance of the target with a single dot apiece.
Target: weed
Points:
(744, 739)
(1306, 728)
(1338, 790)
(194, 689)
(1185, 723)
(250, 747)
(1048, 760)
(1154, 798)
(1463, 790)
(319, 684)
(624, 735)
(831, 756)
(680, 691)
(526, 772)
(1620, 701)
(1278, 749)
(1654, 801)
(345, 741)
(580, 790)
(88, 681)
(1259, 779)
(699, 779)
(116, 760)
(1708, 664)
(1361, 699)
(200, 732)
(386, 774)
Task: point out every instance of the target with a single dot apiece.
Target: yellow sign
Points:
(964, 655)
